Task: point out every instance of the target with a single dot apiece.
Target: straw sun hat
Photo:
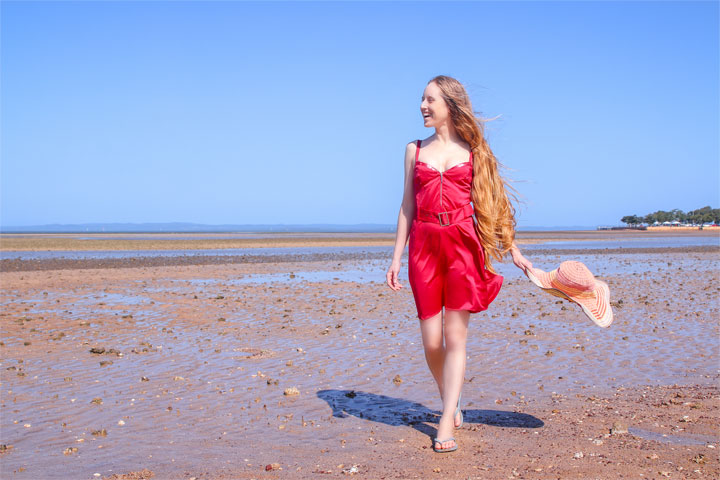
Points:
(574, 282)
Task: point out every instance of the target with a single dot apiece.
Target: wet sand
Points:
(181, 371)
(13, 242)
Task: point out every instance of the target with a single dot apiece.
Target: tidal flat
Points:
(297, 366)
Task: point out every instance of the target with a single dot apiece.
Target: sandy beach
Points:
(18, 242)
(307, 366)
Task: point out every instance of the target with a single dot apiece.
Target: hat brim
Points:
(596, 306)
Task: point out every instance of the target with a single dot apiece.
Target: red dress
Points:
(446, 260)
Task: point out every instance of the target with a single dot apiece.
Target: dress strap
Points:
(417, 150)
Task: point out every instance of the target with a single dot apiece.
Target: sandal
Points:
(457, 410)
(444, 450)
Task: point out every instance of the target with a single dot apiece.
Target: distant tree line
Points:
(695, 217)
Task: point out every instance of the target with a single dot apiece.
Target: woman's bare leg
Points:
(432, 338)
(434, 346)
(453, 372)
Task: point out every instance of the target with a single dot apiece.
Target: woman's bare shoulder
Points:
(410, 149)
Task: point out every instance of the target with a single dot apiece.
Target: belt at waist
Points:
(446, 218)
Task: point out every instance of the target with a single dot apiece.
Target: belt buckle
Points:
(447, 216)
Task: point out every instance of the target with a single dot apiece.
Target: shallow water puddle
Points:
(685, 439)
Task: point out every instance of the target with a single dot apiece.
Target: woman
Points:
(449, 252)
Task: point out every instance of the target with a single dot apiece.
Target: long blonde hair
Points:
(494, 212)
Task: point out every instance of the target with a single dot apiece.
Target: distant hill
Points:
(185, 227)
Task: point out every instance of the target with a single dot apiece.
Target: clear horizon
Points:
(293, 113)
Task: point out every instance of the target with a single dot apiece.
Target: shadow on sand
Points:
(397, 411)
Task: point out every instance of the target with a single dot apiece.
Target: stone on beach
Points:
(291, 391)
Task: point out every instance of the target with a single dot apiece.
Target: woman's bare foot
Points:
(458, 416)
(445, 431)
(458, 419)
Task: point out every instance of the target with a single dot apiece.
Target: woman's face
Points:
(433, 108)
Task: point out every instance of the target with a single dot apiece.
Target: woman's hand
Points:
(520, 261)
(392, 275)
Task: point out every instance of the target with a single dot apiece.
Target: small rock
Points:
(272, 466)
(291, 391)
(70, 450)
(397, 380)
(618, 428)
(578, 455)
(351, 471)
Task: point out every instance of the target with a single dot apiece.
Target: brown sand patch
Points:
(186, 241)
(144, 474)
(40, 264)
(10, 244)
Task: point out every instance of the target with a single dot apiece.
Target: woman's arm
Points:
(518, 259)
(405, 217)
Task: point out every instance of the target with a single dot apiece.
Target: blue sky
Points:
(298, 113)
